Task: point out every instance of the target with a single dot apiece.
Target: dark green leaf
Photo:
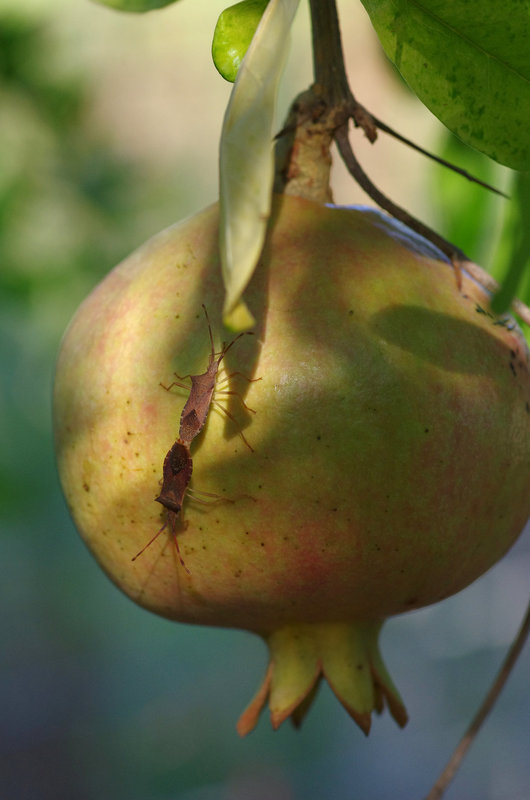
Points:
(469, 62)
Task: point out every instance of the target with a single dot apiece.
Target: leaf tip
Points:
(238, 318)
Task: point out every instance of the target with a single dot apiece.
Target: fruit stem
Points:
(328, 62)
(303, 160)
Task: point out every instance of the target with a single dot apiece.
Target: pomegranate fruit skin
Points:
(391, 437)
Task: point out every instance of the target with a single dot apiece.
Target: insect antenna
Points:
(213, 353)
(225, 347)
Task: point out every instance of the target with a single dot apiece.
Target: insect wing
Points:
(177, 471)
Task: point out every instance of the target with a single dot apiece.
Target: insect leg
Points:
(150, 542)
(177, 383)
(225, 378)
(233, 374)
(227, 392)
(224, 410)
(175, 539)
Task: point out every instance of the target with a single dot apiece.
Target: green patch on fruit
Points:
(232, 36)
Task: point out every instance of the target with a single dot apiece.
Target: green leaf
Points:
(233, 33)
(516, 240)
(135, 5)
(246, 164)
(469, 62)
(466, 214)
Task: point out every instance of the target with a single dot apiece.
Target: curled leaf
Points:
(246, 153)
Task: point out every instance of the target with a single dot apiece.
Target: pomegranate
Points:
(389, 464)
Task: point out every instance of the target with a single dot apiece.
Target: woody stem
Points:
(328, 61)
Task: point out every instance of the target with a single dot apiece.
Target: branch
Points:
(464, 173)
(328, 61)
(343, 143)
(465, 743)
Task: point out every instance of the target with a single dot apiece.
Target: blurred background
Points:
(109, 126)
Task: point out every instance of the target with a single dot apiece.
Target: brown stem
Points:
(328, 63)
(303, 159)
(332, 86)
(343, 143)
(465, 743)
(331, 81)
(382, 126)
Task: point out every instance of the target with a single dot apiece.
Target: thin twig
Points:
(370, 124)
(343, 143)
(464, 173)
(465, 743)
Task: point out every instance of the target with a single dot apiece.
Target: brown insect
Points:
(178, 465)
(177, 470)
(197, 406)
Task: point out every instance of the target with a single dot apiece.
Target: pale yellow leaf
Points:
(246, 151)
